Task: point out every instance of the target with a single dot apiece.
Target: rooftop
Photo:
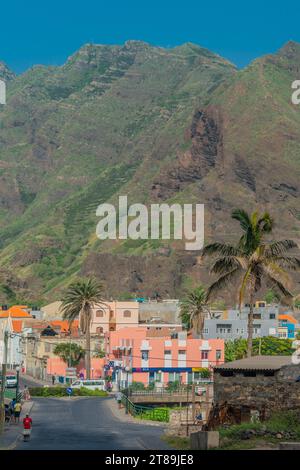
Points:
(257, 363)
(17, 311)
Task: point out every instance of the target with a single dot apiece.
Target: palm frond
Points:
(280, 247)
(222, 282)
(222, 249)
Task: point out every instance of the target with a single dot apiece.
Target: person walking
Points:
(53, 379)
(12, 408)
(17, 412)
(26, 393)
(119, 399)
(27, 425)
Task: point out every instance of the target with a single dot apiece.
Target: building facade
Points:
(160, 355)
(232, 324)
(112, 316)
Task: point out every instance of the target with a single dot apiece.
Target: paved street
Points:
(86, 423)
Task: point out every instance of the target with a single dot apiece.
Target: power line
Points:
(126, 356)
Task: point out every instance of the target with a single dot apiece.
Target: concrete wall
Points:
(168, 312)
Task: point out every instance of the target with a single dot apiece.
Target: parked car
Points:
(93, 384)
(11, 381)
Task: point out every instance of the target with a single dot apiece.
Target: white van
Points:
(93, 384)
(11, 381)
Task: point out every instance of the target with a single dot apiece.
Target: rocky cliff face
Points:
(161, 125)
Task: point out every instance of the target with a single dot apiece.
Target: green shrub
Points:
(135, 386)
(62, 392)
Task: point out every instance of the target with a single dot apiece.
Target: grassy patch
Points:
(178, 443)
(286, 424)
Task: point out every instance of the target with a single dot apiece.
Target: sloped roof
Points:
(16, 311)
(17, 326)
(256, 363)
(288, 317)
(64, 325)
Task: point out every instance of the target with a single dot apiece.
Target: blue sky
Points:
(47, 32)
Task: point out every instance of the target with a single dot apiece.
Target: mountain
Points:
(161, 125)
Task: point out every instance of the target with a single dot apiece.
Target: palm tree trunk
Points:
(88, 352)
(250, 326)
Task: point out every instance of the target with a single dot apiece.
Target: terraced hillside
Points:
(157, 124)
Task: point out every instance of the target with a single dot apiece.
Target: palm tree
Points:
(194, 309)
(251, 261)
(79, 300)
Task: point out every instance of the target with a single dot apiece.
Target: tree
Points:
(79, 300)
(266, 346)
(251, 261)
(70, 353)
(271, 297)
(194, 309)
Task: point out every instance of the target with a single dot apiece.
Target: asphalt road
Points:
(86, 424)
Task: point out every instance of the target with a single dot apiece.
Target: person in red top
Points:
(27, 424)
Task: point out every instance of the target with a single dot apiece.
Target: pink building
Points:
(161, 355)
(114, 315)
(56, 366)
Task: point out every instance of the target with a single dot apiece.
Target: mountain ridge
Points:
(158, 126)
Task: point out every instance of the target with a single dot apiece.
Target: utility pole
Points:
(187, 409)
(193, 403)
(2, 417)
(259, 347)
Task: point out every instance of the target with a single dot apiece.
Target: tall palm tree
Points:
(79, 300)
(194, 309)
(251, 261)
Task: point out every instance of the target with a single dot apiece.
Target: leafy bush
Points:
(135, 386)
(151, 386)
(173, 386)
(62, 392)
(204, 373)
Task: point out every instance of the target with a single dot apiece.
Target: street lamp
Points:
(18, 377)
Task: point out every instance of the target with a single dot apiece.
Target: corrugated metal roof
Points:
(257, 363)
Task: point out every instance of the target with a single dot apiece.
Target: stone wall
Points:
(278, 392)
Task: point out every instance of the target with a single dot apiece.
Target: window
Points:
(223, 329)
(272, 316)
(145, 355)
(127, 313)
(99, 330)
(257, 329)
(99, 313)
(249, 373)
(227, 373)
(205, 331)
(167, 352)
(218, 354)
(182, 351)
(174, 376)
(257, 316)
(157, 376)
(204, 354)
